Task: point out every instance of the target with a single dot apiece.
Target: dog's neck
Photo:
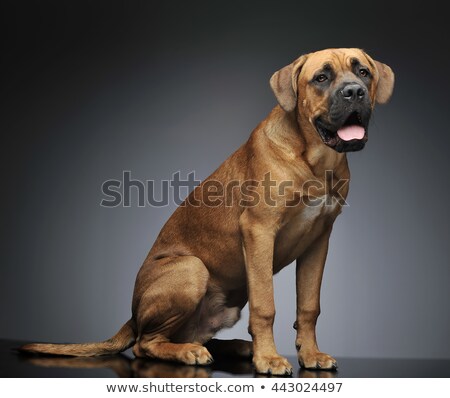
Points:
(297, 137)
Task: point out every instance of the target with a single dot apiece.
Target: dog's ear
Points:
(284, 84)
(385, 84)
(384, 78)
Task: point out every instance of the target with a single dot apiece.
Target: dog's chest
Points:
(301, 229)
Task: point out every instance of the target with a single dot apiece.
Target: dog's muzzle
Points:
(345, 126)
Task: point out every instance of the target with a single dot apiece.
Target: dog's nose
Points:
(353, 91)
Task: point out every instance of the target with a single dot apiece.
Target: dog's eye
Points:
(321, 78)
(363, 72)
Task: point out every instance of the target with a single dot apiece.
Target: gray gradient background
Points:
(90, 89)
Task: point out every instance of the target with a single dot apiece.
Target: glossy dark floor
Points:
(13, 364)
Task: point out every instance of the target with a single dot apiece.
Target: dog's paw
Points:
(193, 354)
(316, 360)
(275, 365)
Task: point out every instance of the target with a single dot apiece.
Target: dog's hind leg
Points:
(169, 303)
(187, 353)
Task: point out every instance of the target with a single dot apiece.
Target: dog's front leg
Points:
(258, 245)
(309, 279)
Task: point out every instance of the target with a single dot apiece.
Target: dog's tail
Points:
(122, 340)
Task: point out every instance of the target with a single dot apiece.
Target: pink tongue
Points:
(348, 133)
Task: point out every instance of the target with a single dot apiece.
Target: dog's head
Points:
(335, 91)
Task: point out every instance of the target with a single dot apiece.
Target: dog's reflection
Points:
(120, 364)
(316, 374)
(124, 366)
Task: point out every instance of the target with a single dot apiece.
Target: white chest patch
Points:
(303, 227)
(321, 206)
(310, 213)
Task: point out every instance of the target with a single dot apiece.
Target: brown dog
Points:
(272, 202)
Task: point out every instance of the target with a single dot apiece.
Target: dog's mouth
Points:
(351, 135)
